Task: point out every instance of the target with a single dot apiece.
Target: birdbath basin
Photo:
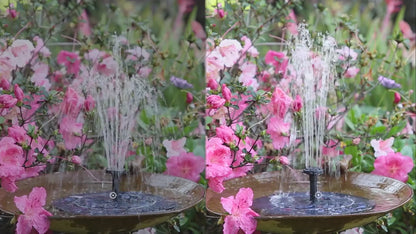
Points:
(181, 192)
(386, 194)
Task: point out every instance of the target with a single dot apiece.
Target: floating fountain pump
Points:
(313, 173)
(115, 175)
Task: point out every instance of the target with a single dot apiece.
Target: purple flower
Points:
(180, 83)
(388, 83)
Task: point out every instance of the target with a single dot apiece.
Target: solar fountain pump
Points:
(313, 173)
(115, 181)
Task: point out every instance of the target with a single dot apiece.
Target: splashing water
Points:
(314, 68)
(119, 98)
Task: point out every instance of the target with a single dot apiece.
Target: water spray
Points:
(119, 98)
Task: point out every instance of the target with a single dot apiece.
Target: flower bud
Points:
(397, 98)
(18, 92)
(189, 98)
(226, 93)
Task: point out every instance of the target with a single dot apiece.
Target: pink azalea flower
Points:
(187, 165)
(353, 231)
(189, 97)
(174, 147)
(18, 92)
(280, 102)
(89, 103)
(185, 6)
(242, 105)
(95, 55)
(219, 12)
(278, 60)
(247, 145)
(41, 71)
(215, 101)
(34, 215)
(137, 53)
(40, 47)
(249, 48)
(143, 71)
(351, 72)
(11, 163)
(278, 131)
(397, 98)
(230, 50)
(11, 12)
(226, 134)
(292, 26)
(216, 184)
(34, 103)
(241, 216)
(70, 60)
(284, 160)
(297, 104)
(407, 31)
(347, 53)
(22, 51)
(356, 141)
(84, 24)
(18, 133)
(198, 30)
(7, 101)
(218, 161)
(71, 132)
(248, 72)
(214, 62)
(76, 159)
(382, 148)
(393, 6)
(107, 67)
(72, 103)
(226, 92)
(4, 83)
(212, 84)
(330, 151)
(393, 165)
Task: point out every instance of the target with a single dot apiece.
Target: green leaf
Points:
(396, 129)
(407, 150)
(351, 150)
(378, 129)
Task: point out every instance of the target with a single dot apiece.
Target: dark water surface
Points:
(298, 204)
(127, 203)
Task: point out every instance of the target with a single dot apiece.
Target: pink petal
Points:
(21, 202)
(38, 196)
(227, 203)
(230, 225)
(244, 197)
(24, 225)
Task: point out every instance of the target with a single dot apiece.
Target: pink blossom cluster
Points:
(348, 59)
(33, 216)
(230, 150)
(181, 163)
(229, 53)
(241, 216)
(390, 163)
